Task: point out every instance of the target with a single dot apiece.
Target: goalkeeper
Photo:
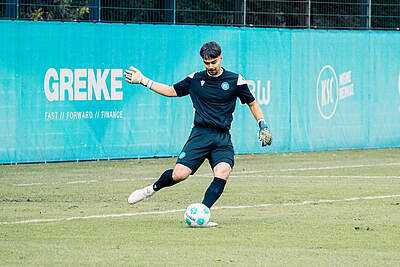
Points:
(213, 92)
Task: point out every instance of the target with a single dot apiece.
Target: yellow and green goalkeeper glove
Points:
(263, 133)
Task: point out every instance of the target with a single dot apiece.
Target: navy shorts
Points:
(207, 143)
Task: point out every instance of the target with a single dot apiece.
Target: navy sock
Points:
(164, 180)
(214, 191)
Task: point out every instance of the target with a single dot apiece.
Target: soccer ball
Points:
(197, 214)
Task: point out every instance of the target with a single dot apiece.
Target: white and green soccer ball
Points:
(197, 214)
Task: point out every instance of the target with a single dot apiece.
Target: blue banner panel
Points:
(330, 88)
(384, 93)
(63, 96)
(262, 58)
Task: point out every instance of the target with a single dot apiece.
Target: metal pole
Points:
(309, 15)
(99, 10)
(174, 11)
(244, 13)
(369, 13)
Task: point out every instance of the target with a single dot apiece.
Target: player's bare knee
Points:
(178, 176)
(222, 170)
(181, 172)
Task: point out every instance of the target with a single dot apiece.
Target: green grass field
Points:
(274, 212)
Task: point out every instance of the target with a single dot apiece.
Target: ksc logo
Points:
(327, 92)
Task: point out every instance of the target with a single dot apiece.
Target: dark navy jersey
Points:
(214, 98)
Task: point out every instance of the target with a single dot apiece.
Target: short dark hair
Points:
(210, 50)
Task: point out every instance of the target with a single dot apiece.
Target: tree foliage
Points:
(349, 14)
(65, 10)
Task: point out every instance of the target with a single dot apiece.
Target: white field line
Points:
(325, 168)
(307, 202)
(319, 176)
(81, 182)
(89, 181)
(239, 174)
(232, 176)
(30, 184)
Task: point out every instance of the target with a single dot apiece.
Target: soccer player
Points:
(213, 92)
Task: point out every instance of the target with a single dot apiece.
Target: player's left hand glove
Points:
(263, 134)
(133, 75)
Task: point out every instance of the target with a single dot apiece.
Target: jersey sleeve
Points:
(244, 93)
(182, 87)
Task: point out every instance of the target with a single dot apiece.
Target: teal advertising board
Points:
(63, 96)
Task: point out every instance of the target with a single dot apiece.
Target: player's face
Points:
(213, 65)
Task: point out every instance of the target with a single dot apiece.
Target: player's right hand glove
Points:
(134, 75)
(263, 133)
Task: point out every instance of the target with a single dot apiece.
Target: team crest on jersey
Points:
(202, 82)
(225, 86)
